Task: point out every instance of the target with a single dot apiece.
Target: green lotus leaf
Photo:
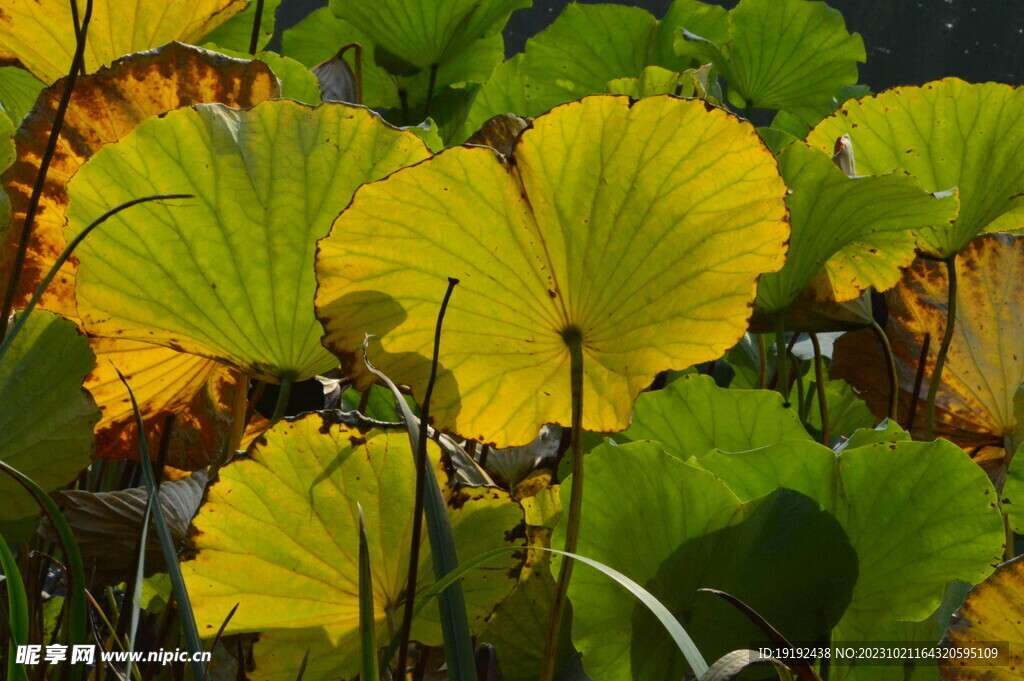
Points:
(655, 80)
(585, 47)
(410, 36)
(692, 416)
(236, 32)
(993, 611)
(18, 92)
(321, 35)
(290, 510)
(297, 81)
(40, 34)
(783, 54)
(886, 431)
(878, 257)
(229, 275)
(710, 22)
(918, 514)
(547, 245)
(947, 134)
(674, 529)
(46, 417)
(829, 210)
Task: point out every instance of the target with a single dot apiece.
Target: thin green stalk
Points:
(573, 338)
(782, 358)
(283, 395)
(62, 258)
(254, 41)
(819, 380)
(762, 373)
(77, 63)
(890, 362)
(802, 407)
(185, 613)
(18, 613)
(940, 359)
(421, 475)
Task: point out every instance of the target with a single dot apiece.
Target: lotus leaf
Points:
(40, 34)
(947, 134)
(289, 509)
(638, 228)
(236, 264)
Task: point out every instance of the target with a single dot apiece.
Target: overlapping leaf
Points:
(46, 418)
(692, 416)
(830, 210)
(918, 514)
(674, 529)
(946, 134)
(235, 266)
(290, 511)
(40, 34)
(639, 227)
(984, 367)
(104, 107)
(321, 35)
(18, 91)
(992, 614)
(585, 47)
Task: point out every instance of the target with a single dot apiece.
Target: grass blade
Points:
(17, 619)
(137, 590)
(185, 614)
(77, 609)
(367, 621)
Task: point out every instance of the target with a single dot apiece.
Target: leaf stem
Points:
(918, 380)
(421, 473)
(430, 90)
(890, 361)
(940, 359)
(782, 358)
(77, 62)
(284, 393)
(819, 379)
(574, 339)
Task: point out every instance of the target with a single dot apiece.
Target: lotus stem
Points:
(283, 395)
(421, 473)
(254, 41)
(918, 380)
(890, 361)
(940, 359)
(819, 379)
(762, 373)
(574, 339)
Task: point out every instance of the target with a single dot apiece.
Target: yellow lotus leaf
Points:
(947, 134)
(40, 34)
(985, 365)
(229, 274)
(105, 107)
(289, 513)
(986, 634)
(636, 228)
(197, 391)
